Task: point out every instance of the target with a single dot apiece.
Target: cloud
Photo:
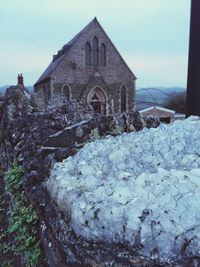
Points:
(75, 8)
(158, 69)
(141, 29)
(31, 62)
(150, 69)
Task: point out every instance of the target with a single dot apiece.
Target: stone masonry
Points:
(89, 68)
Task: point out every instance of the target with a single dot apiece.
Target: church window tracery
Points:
(95, 49)
(103, 55)
(88, 54)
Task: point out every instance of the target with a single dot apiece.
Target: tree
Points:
(177, 103)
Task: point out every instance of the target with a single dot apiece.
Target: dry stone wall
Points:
(36, 141)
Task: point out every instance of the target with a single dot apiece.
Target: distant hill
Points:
(3, 89)
(145, 97)
(157, 96)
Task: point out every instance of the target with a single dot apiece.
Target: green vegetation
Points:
(94, 134)
(22, 222)
(7, 263)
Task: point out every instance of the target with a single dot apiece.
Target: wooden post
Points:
(193, 82)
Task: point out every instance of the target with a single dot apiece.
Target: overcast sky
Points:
(151, 35)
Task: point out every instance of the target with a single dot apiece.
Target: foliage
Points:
(7, 263)
(177, 103)
(117, 129)
(22, 221)
(94, 134)
(79, 131)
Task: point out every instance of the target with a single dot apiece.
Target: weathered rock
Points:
(16, 102)
(63, 153)
(36, 140)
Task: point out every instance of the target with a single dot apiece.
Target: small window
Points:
(123, 98)
(95, 48)
(88, 54)
(66, 92)
(103, 55)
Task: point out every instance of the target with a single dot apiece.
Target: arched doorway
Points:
(97, 100)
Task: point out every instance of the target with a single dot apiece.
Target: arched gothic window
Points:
(103, 55)
(123, 94)
(88, 54)
(66, 92)
(95, 49)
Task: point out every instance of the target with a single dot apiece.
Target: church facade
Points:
(89, 68)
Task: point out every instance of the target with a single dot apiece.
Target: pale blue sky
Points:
(151, 35)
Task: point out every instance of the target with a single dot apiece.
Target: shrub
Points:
(23, 220)
(177, 103)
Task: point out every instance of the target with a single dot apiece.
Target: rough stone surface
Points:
(24, 136)
(140, 189)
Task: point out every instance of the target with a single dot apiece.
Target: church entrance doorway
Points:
(97, 100)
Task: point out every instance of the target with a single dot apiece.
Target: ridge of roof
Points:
(75, 38)
(57, 58)
(115, 47)
(157, 107)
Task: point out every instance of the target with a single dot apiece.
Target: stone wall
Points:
(36, 141)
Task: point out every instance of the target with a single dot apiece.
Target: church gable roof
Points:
(57, 59)
(59, 56)
(47, 73)
(116, 50)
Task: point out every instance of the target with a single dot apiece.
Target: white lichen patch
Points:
(135, 188)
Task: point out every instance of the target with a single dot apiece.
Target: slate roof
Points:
(158, 108)
(47, 73)
(58, 58)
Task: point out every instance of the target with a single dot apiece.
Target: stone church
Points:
(90, 69)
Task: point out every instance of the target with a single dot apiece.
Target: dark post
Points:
(193, 82)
